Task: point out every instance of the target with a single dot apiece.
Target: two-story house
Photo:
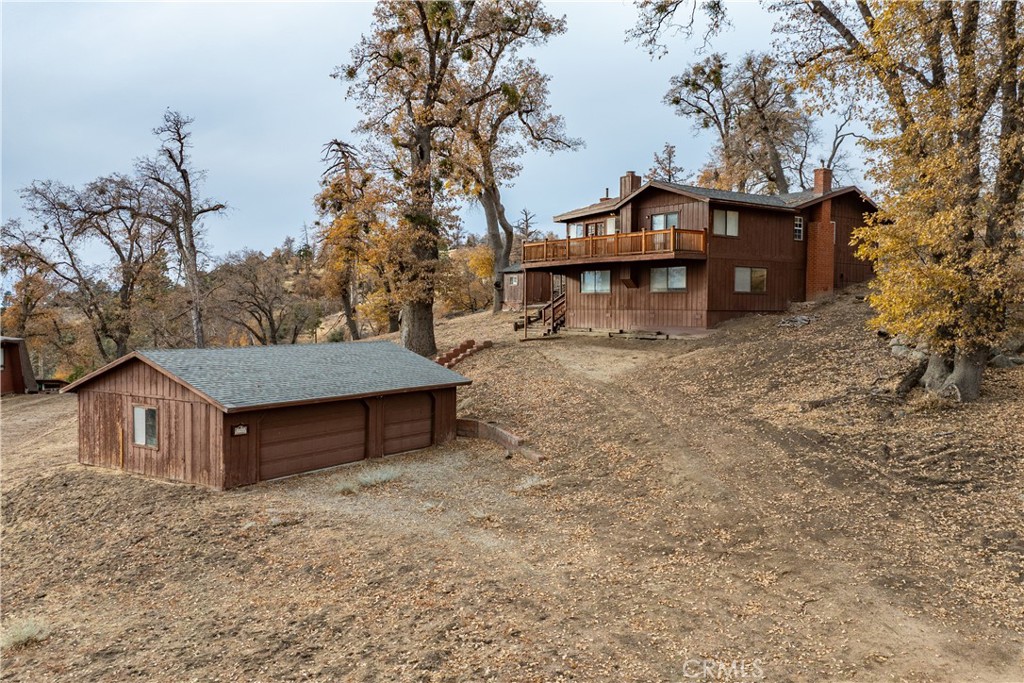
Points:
(663, 257)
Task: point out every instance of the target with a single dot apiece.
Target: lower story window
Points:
(145, 426)
(668, 279)
(752, 280)
(513, 280)
(596, 282)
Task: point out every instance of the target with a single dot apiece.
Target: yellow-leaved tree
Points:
(942, 87)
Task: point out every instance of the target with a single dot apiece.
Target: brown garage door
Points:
(306, 438)
(408, 422)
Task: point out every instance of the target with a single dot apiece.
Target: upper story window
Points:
(612, 225)
(145, 426)
(668, 279)
(798, 228)
(751, 280)
(727, 223)
(596, 282)
(665, 221)
(576, 230)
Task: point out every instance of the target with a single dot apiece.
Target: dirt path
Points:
(692, 515)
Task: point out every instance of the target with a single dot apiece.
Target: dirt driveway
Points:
(696, 521)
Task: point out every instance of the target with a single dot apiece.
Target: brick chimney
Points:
(822, 180)
(629, 183)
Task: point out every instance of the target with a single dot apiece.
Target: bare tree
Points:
(179, 208)
(108, 216)
(665, 167)
(258, 293)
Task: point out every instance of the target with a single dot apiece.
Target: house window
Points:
(668, 279)
(664, 221)
(513, 280)
(595, 228)
(145, 426)
(611, 226)
(727, 223)
(798, 228)
(751, 280)
(576, 230)
(596, 282)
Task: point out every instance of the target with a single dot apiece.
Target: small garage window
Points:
(145, 426)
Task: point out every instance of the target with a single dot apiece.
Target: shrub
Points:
(24, 632)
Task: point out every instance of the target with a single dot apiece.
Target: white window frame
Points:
(656, 274)
(798, 229)
(726, 223)
(140, 426)
(743, 280)
(596, 282)
(577, 230)
(612, 226)
(513, 280)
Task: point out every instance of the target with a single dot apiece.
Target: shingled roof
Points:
(256, 376)
(786, 202)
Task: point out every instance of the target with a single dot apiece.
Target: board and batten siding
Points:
(848, 213)
(188, 428)
(636, 215)
(765, 241)
(637, 308)
(242, 456)
(539, 290)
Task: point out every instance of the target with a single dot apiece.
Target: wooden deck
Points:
(627, 246)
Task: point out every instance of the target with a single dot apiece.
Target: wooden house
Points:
(664, 257)
(229, 417)
(16, 376)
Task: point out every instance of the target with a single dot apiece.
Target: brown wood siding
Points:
(12, 380)
(638, 308)
(444, 415)
(848, 213)
(305, 438)
(189, 444)
(765, 241)
(408, 422)
(539, 290)
(693, 214)
(241, 453)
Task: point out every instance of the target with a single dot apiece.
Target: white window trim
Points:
(798, 229)
(138, 410)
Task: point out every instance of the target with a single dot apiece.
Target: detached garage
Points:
(230, 417)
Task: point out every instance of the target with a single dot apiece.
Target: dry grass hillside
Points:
(758, 498)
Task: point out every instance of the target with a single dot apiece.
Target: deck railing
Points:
(623, 244)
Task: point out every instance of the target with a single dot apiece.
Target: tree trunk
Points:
(936, 373)
(964, 383)
(494, 241)
(347, 310)
(418, 328)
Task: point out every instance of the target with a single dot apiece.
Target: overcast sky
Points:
(85, 83)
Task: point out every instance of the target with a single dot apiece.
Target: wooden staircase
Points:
(550, 316)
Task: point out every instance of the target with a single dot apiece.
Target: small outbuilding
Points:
(539, 291)
(235, 416)
(16, 376)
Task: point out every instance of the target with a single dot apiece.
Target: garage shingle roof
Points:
(252, 376)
